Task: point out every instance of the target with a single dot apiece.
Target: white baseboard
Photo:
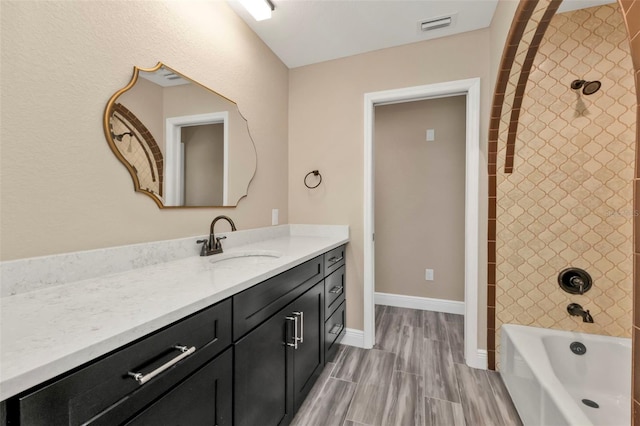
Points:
(423, 303)
(353, 337)
(480, 361)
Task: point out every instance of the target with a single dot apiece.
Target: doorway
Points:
(471, 88)
(175, 155)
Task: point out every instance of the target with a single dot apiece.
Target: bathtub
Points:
(548, 381)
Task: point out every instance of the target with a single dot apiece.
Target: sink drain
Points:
(590, 403)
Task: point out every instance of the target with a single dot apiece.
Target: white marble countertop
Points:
(49, 331)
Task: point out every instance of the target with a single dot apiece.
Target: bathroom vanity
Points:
(248, 357)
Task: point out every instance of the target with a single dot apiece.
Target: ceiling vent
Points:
(171, 76)
(435, 23)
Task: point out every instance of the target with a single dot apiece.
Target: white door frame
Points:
(470, 88)
(174, 154)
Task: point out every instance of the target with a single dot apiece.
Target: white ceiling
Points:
(568, 5)
(303, 32)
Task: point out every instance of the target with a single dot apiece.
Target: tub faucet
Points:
(576, 310)
(213, 244)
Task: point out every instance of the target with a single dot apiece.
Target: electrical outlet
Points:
(274, 216)
(431, 135)
(428, 274)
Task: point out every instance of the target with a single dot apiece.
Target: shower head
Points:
(588, 87)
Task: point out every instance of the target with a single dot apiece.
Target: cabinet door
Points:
(308, 357)
(205, 398)
(263, 378)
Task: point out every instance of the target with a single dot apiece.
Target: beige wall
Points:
(499, 30)
(62, 189)
(203, 164)
(326, 118)
(192, 99)
(419, 198)
(569, 201)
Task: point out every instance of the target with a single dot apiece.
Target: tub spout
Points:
(587, 317)
(576, 310)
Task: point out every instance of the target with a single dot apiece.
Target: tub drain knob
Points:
(578, 348)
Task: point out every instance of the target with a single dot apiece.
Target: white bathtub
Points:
(548, 382)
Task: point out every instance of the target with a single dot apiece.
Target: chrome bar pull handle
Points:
(295, 332)
(301, 315)
(144, 378)
(336, 290)
(335, 259)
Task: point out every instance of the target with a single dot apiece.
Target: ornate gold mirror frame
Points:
(183, 144)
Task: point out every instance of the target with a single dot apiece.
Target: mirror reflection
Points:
(184, 144)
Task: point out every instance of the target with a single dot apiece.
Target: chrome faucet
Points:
(576, 310)
(213, 244)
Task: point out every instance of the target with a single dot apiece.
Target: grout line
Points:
(443, 400)
(458, 388)
(353, 397)
(342, 380)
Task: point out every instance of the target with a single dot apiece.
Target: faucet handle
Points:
(218, 245)
(205, 247)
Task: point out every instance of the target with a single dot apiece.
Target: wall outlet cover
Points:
(428, 274)
(431, 135)
(274, 216)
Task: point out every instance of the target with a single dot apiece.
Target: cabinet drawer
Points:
(256, 304)
(334, 291)
(104, 393)
(333, 332)
(333, 260)
(205, 398)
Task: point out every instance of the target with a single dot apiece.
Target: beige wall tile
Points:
(569, 201)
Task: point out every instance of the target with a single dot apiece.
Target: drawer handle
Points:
(301, 315)
(295, 331)
(336, 290)
(335, 259)
(336, 329)
(144, 378)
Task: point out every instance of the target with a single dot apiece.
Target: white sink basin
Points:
(244, 258)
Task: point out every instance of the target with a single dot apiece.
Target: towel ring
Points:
(315, 173)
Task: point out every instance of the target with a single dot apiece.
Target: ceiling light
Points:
(434, 24)
(259, 9)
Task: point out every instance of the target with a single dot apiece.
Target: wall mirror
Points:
(184, 144)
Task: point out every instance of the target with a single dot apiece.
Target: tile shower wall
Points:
(569, 200)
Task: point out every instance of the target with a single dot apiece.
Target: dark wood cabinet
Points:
(204, 398)
(263, 375)
(278, 362)
(104, 393)
(308, 357)
(335, 306)
(253, 358)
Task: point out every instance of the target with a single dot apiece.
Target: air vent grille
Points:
(434, 24)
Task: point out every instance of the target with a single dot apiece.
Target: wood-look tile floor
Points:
(415, 375)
